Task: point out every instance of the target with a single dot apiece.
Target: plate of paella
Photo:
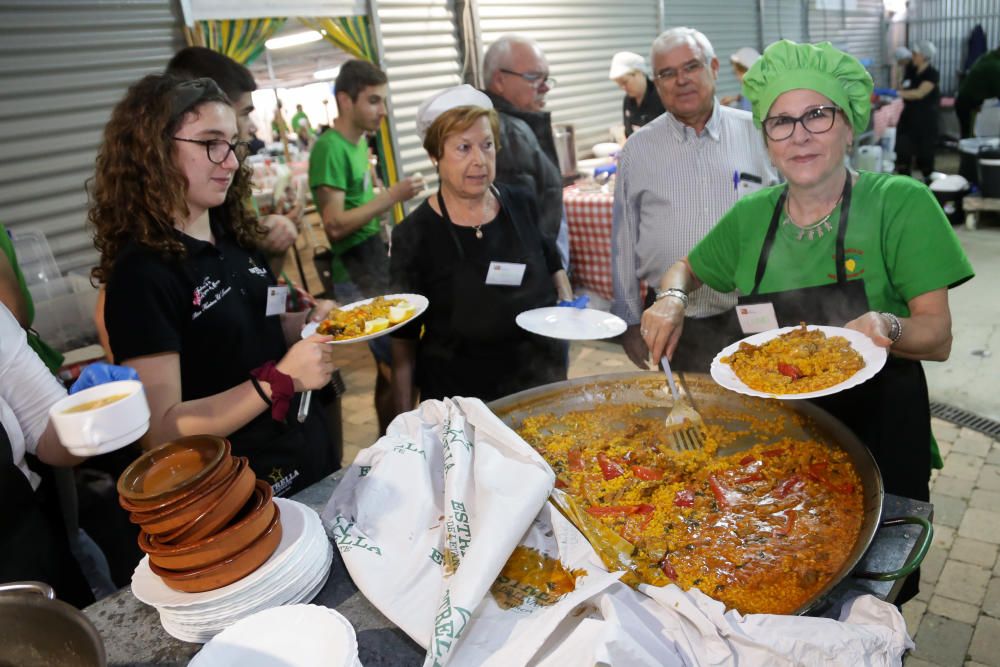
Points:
(806, 361)
(368, 318)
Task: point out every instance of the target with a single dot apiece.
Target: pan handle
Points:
(923, 543)
(39, 587)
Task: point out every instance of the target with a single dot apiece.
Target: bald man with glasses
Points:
(516, 75)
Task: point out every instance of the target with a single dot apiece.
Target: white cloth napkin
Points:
(427, 517)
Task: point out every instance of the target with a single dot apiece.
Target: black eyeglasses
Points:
(536, 79)
(219, 149)
(816, 120)
(689, 69)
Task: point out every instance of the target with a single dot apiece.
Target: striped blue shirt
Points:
(672, 186)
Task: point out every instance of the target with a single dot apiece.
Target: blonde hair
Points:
(454, 120)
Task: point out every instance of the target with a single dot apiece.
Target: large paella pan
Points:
(686, 507)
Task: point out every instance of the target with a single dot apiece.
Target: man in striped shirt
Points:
(676, 177)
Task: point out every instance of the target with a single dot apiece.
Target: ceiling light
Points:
(326, 73)
(293, 40)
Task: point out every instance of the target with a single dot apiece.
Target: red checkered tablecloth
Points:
(588, 215)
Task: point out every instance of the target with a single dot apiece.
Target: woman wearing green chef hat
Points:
(871, 252)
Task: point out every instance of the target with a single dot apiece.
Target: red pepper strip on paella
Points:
(789, 370)
(789, 522)
(724, 496)
(610, 469)
(817, 473)
(790, 485)
(684, 498)
(647, 473)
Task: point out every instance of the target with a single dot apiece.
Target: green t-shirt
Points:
(337, 163)
(898, 241)
(51, 358)
(983, 79)
(298, 119)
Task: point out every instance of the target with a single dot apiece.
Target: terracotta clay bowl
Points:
(250, 524)
(170, 468)
(217, 515)
(229, 570)
(181, 498)
(156, 523)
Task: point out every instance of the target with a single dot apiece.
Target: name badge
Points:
(756, 317)
(505, 273)
(277, 298)
(747, 184)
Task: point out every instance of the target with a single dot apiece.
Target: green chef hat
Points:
(786, 66)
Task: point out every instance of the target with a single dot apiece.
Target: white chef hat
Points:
(624, 62)
(445, 100)
(745, 57)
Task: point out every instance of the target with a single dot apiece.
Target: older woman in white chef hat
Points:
(474, 250)
(741, 62)
(642, 103)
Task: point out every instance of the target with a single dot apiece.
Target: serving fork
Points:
(683, 420)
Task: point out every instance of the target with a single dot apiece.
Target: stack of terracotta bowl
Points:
(205, 520)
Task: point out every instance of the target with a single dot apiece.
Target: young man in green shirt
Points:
(341, 182)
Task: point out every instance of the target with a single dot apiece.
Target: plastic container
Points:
(64, 311)
(968, 151)
(35, 258)
(989, 173)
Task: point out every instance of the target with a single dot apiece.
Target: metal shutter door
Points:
(728, 26)
(860, 32)
(578, 38)
(421, 57)
(782, 19)
(64, 65)
(948, 23)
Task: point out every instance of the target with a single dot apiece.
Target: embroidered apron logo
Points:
(363, 471)
(207, 295)
(280, 481)
(852, 263)
(346, 540)
(449, 437)
(448, 627)
(437, 556)
(257, 270)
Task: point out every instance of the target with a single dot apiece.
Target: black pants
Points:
(965, 107)
(914, 145)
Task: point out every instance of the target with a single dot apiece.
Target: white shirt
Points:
(27, 390)
(672, 186)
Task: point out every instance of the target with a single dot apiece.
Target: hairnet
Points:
(786, 66)
(926, 48)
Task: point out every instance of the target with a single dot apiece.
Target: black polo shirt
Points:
(208, 307)
(635, 115)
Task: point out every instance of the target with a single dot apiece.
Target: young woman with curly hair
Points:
(188, 303)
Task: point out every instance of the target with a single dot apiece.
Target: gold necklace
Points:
(487, 201)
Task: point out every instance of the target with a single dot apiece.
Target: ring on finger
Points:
(643, 332)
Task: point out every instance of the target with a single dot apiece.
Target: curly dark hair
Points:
(137, 191)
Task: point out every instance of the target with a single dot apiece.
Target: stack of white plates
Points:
(294, 573)
(301, 635)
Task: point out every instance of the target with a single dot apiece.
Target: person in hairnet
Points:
(642, 103)
(867, 251)
(474, 249)
(741, 61)
(917, 131)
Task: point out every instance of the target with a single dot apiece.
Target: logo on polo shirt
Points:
(852, 263)
(257, 270)
(207, 295)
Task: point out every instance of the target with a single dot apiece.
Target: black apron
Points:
(890, 413)
(483, 319)
(32, 540)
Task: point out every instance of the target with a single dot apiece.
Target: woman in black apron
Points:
(191, 303)
(475, 251)
(870, 252)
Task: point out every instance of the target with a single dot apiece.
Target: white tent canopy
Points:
(204, 10)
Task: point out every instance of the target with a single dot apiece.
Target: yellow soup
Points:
(93, 405)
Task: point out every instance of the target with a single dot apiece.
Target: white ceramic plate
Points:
(296, 635)
(873, 355)
(418, 301)
(571, 323)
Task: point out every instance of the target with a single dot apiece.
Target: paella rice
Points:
(344, 324)
(762, 531)
(799, 361)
